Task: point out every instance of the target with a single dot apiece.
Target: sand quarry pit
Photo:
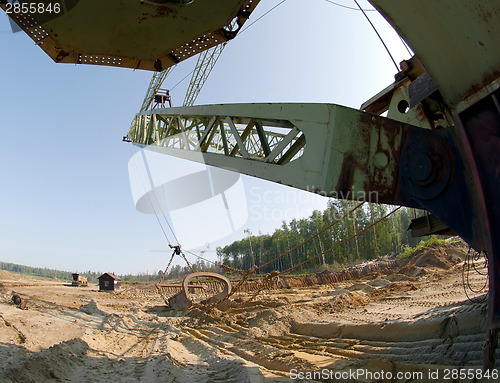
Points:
(410, 323)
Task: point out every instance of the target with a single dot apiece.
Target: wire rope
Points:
(342, 242)
(166, 220)
(408, 49)
(239, 33)
(314, 236)
(380, 37)
(470, 264)
(185, 77)
(269, 11)
(347, 7)
(150, 200)
(200, 257)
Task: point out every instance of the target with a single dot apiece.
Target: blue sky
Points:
(65, 199)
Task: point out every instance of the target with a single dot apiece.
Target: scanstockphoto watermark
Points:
(356, 375)
(360, 195)
(210, 202)
(284, 205)
(215, 202)
(363, 374)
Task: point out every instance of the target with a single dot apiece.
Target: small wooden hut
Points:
(108, 282)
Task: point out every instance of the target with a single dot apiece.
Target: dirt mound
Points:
(91, 308)
(364, 287)
(49, 364)
(398, 277)
(270, 323)
(433, 257)
(425, 260)
(442, 257)
(8, 276)
(379, 282)
(412, 271)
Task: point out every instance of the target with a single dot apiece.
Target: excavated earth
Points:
(404, 322)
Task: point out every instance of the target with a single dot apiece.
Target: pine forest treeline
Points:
(386, 237)
(35, 271)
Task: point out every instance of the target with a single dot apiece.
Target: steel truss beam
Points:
(204, 65)
(329, 149)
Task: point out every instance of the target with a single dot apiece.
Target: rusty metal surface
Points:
(214, 291)
(428, 225)
(481, 126)
(457, 41)
(434, 176)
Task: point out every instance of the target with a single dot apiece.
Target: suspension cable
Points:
(200, 257)
(168, 223)
(408, 49)
(151, 203)
(185, 77)
(314, 236)
(347, 7)
(342, 242)
(239, 33)
(269, 11)
(163, 214)
(380, 37)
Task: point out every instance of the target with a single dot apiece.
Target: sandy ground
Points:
(416, 322)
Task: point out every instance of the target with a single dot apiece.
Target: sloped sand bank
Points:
(411, 323)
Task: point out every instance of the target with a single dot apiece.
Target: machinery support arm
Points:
(324, 148)
(328, 149)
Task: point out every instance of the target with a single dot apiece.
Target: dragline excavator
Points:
(437, 148)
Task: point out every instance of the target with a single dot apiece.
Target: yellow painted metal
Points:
(204, 65)
(150, 35)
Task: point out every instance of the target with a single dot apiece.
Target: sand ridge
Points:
(411, 319)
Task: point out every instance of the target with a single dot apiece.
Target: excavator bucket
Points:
(139, 34)
(203, 288)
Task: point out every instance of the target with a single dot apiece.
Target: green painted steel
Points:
(325, 148)
(204, 65)
(456, 40)
(150, 35)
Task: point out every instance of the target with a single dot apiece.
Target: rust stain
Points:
(382, 180)
(474, 88)
(157, 11)
(346, 179)
(163, 11)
